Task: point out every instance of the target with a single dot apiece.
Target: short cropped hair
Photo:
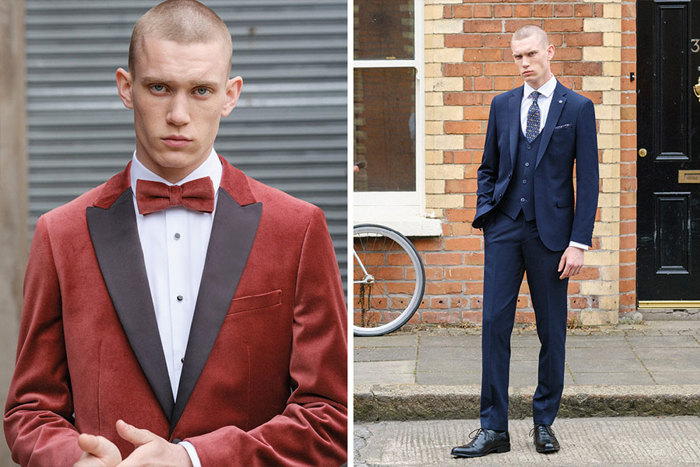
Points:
(182, 21)
(530, 30)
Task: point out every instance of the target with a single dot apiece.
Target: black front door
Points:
(668, 162)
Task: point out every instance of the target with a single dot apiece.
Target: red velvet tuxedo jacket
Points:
(264, 380)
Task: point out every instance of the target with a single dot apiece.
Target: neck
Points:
(541, 82)
(172, 174)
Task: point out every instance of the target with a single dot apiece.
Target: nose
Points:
(178, 113)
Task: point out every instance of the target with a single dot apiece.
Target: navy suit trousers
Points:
(513, 247)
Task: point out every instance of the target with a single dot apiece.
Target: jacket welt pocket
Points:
(255, 302)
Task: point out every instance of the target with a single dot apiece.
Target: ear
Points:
(125, 88)
(233, 91)
(550, 51)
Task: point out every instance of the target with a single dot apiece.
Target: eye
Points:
(201, 92)
(157, 88)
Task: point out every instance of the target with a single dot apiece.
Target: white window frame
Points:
(401, 210)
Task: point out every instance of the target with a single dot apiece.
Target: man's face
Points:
(178, 92)
(532, 58)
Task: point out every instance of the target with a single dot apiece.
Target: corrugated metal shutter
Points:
(289, 129)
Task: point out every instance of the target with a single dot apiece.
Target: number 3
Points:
(695, 48)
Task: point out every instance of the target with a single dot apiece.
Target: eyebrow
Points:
(525, 53)
(197, 84)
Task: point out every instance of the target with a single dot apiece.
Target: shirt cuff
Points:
(191, 452)
(579, 245)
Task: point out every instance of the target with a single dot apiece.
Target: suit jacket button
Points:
(177, 441)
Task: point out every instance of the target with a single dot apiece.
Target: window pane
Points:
(385, 129)
(384, 29)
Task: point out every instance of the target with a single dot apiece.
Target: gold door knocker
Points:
(696, 89)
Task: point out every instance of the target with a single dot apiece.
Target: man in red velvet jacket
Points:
(181, 312)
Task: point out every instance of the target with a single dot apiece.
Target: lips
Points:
(176, 141)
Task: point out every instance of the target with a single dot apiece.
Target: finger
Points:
(89, 461)
(563, 266)
(88, 443)
(562, 262)
(136, 436)
(567, 271)
(98, 446)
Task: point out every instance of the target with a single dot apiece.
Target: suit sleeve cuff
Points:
(579, 245)
(194, 458)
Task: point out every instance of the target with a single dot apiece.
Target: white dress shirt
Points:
(544, 100)
(174, 243)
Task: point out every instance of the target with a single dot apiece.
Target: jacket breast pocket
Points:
(563, 139)
(255, 302)
(564, 127)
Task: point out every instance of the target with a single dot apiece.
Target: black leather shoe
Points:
(483, 442)
(545, 441)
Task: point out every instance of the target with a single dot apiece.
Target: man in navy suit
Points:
(531, 223)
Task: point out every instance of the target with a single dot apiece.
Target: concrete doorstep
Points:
(410, 402)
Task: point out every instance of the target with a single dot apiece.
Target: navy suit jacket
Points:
(569, 136)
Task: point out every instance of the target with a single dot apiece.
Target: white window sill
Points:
(413, 226)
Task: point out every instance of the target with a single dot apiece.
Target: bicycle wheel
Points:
(388, 280)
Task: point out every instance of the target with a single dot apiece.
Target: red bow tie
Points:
(155, 196)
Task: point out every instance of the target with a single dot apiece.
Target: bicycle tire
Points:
(396, 316)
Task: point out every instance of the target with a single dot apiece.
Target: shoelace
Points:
(475, 434)
(548, 429)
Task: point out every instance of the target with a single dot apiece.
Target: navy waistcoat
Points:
(520, 195)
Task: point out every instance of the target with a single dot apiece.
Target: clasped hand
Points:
(151, 449)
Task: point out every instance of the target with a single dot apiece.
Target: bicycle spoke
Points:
(388, 294)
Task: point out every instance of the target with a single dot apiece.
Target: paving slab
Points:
(526, 375)
(374, 354)
(391, 372)
(639, 377)
(574, 342)
(527, 340)
(648, 441)
(469, 342)
(396, 340)
(673, 341)
(678, 376)
(647, 369)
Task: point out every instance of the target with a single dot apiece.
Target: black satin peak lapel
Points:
(232, 236)
(116, 242)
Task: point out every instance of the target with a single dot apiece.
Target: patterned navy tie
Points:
(533, 119)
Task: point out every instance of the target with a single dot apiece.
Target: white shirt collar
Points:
(211, 167)
(547, 89)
